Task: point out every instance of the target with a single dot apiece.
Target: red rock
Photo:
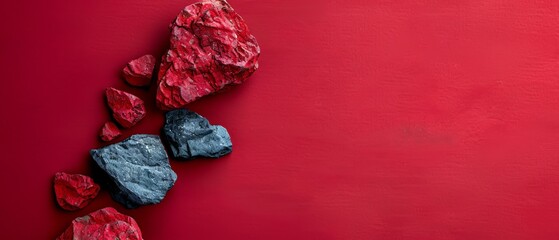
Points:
(109, 132)
(127, 109)
(74, 191)
(138, 72)
(103, 224)
(211, 48)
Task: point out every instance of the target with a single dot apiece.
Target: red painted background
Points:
(366, 120)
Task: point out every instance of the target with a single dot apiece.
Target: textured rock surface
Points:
(103, 224)
(138, 169)
(191, 135)
(138, 72)
(109, 132)
(127, 109)
(211, 48)
(74, 191)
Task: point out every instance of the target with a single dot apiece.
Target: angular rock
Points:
(74, 191)
(127, 109)
(211, 48)
(137, 168)
(138, 72)
(109, 132)
(191, 135)
(103, 224)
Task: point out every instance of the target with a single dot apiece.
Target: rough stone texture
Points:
(138, 72)
(74, 191)
(109, 132)
(127, 109)
(137, 168)
(191, 135)
(211, 48)
(103, 224)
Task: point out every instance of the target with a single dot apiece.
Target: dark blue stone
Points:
(191, 135)
(138, 170)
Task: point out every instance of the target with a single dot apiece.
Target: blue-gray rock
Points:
(191, 135)
(137, 168)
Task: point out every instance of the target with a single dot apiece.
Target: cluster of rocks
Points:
(211, 48)
(128, 109)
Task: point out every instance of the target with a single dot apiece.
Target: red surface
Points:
(366, 119)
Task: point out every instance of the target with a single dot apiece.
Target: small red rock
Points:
(109, 132)
(127, 109)
(103, 224)
(74, 191)
(211, 48)
(138, 72)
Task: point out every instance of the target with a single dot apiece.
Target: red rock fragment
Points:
(74, 191)
(127, 109)
(103, 224)
(138, 72)
(211, 48)
(109, 132)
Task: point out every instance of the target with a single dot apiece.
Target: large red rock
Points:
(74, 191)
(127, 109)
(109, 132)
(138, 72)
(211, 48)
(103, 224)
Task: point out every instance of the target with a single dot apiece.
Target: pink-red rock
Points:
(211, 48)
(109, 132)
(127, 109)
(138, 72)
(74, 191)
(103, 224)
